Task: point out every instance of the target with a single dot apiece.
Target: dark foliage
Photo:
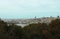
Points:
(32, 31)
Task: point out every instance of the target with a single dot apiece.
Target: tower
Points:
(57, 16)
(35, 17)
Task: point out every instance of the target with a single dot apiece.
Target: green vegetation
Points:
(32, 31)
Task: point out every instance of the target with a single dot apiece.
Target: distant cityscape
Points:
(24, 22)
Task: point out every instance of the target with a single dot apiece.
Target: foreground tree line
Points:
(32, 31)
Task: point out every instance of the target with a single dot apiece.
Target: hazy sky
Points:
(29, 8)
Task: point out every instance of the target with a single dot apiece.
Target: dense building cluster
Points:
(24, 22)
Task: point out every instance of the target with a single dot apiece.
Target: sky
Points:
(29, 8)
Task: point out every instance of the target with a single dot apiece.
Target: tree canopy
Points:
(32, 31)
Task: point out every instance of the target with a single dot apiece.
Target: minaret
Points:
(57, 16)
(35, 17)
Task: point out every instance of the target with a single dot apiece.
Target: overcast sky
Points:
(29, 8)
